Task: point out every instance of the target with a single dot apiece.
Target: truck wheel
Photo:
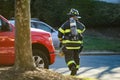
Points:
(40, 59)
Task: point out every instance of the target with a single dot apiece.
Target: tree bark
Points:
(23, 48)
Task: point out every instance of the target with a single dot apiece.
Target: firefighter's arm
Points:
(83, 28)
(61, 34)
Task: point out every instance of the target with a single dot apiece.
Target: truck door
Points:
(6, 43)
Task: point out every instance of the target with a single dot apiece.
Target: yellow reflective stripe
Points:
(83, 30)
(70, 62)
(79, 31)
(67, 30)
(73, 47)
(68, 41)
(61, 30)
(77, 66)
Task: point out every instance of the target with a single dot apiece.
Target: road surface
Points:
(105, 67)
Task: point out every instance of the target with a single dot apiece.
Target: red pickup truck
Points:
(42, 46)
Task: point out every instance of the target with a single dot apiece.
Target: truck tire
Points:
(40, 59)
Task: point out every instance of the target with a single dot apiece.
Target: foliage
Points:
(106, 15)
(54, 12)
(49, 11)
(93, 13)
(7, 8)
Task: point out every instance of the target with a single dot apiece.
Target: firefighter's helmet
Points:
(74, 12)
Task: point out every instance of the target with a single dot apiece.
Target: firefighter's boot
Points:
(73, 70)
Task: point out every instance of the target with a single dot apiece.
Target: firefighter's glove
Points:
(61, 54)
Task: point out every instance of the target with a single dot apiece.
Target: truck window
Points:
(4, 26)
(0, 25)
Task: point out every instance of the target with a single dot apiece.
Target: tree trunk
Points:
(23, 48)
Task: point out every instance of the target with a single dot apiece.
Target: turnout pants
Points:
(72, 58)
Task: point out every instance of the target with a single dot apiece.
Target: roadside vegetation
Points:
(101, 40)
(94, 43)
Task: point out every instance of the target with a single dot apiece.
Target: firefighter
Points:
(70, 35)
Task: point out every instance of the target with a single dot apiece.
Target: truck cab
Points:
(42, 46)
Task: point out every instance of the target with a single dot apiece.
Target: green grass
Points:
(101, 43)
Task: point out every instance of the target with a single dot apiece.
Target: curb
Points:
(95, 53)
(100, 53)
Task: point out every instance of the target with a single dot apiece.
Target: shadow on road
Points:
(104, 64)
(95, 66)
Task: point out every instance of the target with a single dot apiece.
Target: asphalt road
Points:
(105, 67)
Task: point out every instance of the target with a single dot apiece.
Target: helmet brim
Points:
(69, 14)
(79, 17)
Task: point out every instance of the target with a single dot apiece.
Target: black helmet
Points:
(74, 12)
